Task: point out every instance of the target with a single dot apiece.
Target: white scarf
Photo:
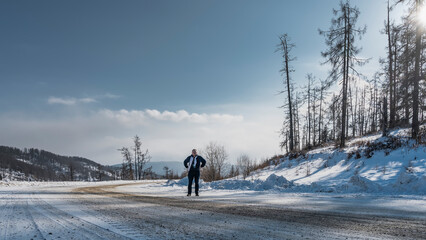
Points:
(193, 160)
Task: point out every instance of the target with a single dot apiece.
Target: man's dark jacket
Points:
(200, 163)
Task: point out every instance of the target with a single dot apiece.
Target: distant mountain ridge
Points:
(158, 167)
(40, 165)
(176, 167)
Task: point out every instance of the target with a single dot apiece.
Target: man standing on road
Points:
(193, 163)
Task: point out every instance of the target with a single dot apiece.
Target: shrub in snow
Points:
(387, 144)
(357, 154)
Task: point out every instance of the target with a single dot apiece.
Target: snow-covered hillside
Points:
(40, 165)
(373, 164)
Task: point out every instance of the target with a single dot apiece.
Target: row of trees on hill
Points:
(35, 164)
(395, 96)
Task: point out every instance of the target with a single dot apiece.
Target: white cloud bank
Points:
(137, 117)
(169, 135)
(69, 101)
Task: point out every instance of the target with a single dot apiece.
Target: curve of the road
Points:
(107, 212)
(322, 223)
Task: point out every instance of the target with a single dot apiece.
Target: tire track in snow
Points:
(80, 212)
(52, 222)
(101, 218)
(7, 213)
(160, 222)
(33, 222)
(5, 223)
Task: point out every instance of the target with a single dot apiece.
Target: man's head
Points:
(194, 152)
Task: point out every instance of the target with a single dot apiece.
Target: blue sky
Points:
(83, 77)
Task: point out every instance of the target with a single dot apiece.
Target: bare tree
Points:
(391, 73)
(140, 158)
(137, 148)
(413, 28)
(322, 94)
(148, 173)
(166, 171)
(285, 46)
(416, 80)
(310, 103)
(233, 171)
(144, 158)
(215, 156)
(245, 165)
(385, 117)
(127, 170)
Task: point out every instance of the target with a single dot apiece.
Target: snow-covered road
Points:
(49, 213)
(124, 211)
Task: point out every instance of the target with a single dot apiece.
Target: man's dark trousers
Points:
(193, 173)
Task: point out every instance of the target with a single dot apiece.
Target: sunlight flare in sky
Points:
(422, 15)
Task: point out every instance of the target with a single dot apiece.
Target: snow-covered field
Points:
(352, 193)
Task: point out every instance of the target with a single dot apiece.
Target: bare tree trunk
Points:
(309, 113)
(320, 113)
(285, 47)
(334, 117)
(390, 71)
(290, 106)
(395, 83)
(345, 79)
(385, 117)
(407, 82)
(314, 117)
(416, 80)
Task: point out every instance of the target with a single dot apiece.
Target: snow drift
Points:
(370, 164)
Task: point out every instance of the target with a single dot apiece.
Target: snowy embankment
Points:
(371, 164)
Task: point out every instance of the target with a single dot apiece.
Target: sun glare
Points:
(422, 15)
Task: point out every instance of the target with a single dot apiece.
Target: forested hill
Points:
(35, 164)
